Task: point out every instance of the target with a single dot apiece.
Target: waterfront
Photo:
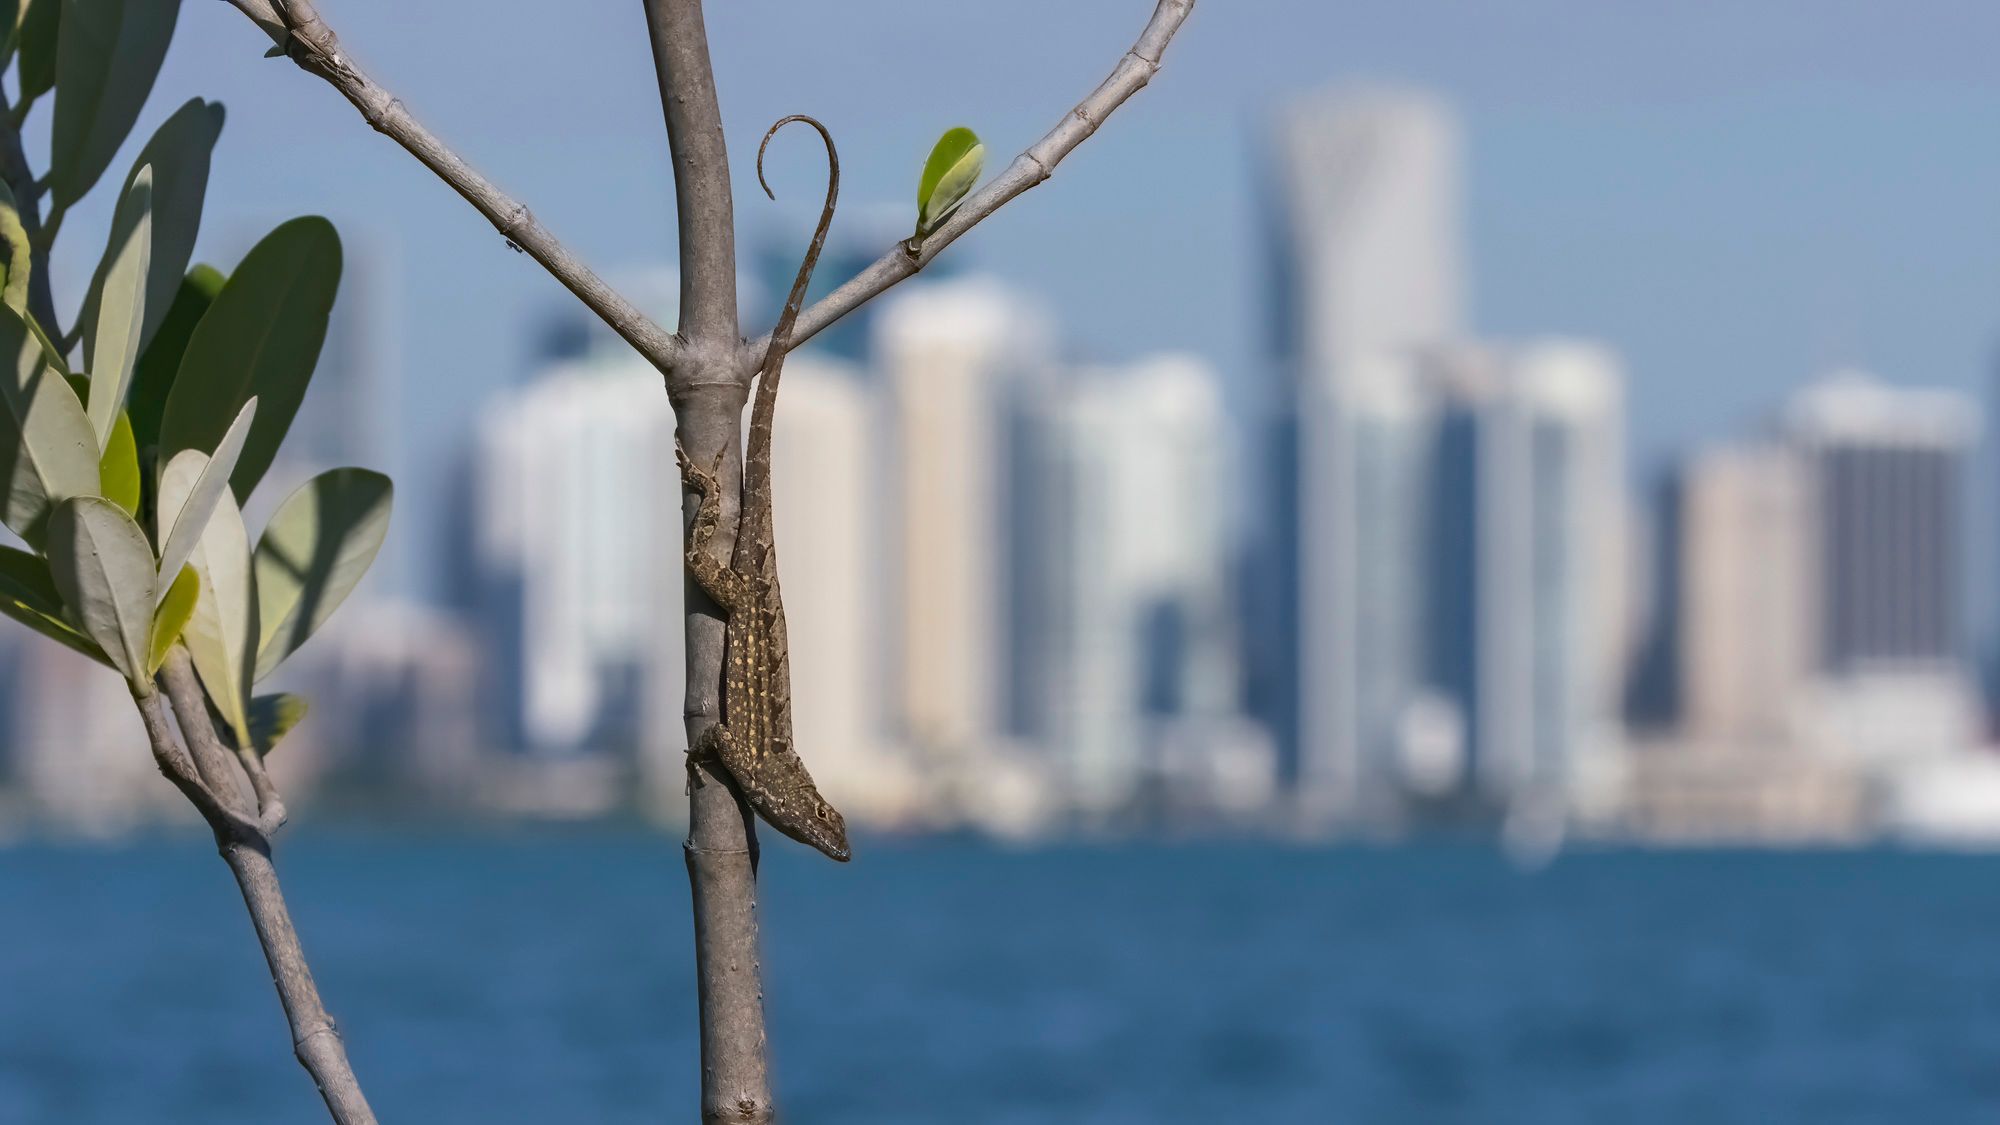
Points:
(531, 977)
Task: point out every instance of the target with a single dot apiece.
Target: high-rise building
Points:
(1133, 642)
(1748, 604)
(78, 751)
(826, 473)
(394, 710)
(1888, 469)
(956, 361)
(1366, 248)
(1361, 460)
(1369, 240)
(574, 492)
(1559, 546)
(1885, 469)
(1523, 601)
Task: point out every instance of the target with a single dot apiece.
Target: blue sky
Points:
(1730, 194)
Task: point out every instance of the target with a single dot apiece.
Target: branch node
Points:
(517, 220)
(313, 45)
(324, 1027)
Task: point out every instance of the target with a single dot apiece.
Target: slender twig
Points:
(701, 171)
(246, 847)
(216, 761)
(27, 192)
(1030, 168)
(178, 768)
(296, 26)
(315, 1039)
(217, 766)
(271, 812)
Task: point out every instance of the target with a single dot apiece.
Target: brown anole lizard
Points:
(754, 739)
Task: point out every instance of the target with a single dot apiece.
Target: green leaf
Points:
(47, 450)
(191, 485)
(272, 717)
(35, 40)
(28, 594)
(56, 358)
(107, 56)
(118, 469)
(950, 173)
(178, 155)
(111, 350)
(10, 19)
(103, 566)
(261, 337)
(316, 548)
(147, 399)
(171, 616)
(20, 254)
(222, 633)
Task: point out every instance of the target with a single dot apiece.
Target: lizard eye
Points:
(821, 813)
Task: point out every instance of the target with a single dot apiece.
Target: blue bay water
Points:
(545, 977)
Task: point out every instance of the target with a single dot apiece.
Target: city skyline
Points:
(1030, 577)
(1722, 196)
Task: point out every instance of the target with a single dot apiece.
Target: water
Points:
(546, 978)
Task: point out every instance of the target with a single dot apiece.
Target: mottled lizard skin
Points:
(754, 739)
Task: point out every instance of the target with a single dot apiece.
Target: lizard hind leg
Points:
(711, 575)
(707, 748)
(708, 485)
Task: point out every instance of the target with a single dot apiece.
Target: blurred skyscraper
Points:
(1133, 663)
(826, 474)
(572, 529)
(1522, 602)
(1366, 268)
(1553, 560)
(1886, 469)
(956, 360)
(1822, 683)
(1750, 605)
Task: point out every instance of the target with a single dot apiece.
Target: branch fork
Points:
(708, 366)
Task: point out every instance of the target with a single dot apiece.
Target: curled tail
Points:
(757, 466)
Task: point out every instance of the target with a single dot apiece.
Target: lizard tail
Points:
(757, 470)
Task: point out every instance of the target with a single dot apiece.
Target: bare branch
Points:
(315, 1039)
(295, 25)
(1133, 71)
(215, 760)
(708, 393)
(177, 767)
(211, 757)
(245, 845)
(701, 172)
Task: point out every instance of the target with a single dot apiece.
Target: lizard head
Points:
(824, 828)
